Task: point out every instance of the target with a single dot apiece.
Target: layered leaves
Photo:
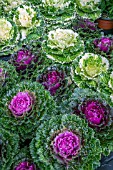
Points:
(42, 146)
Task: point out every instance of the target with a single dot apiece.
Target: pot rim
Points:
(106, 19)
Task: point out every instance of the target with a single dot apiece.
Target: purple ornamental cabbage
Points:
(104, 44)
(96, 113)
(86, 25)
(25, 166)
(24, 59)
(52, 80)
(66, 145)
(21, 103)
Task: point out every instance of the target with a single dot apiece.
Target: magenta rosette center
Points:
(25, 166)
(104, 44)
(23, 59)
(21, 103)
(95, 112)
(52, 80)
(67, 145)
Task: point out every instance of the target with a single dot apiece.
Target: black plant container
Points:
(5, 57)
(106, 163)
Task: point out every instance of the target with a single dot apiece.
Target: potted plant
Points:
(105, 22)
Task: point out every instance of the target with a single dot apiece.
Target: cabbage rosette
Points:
(27, 58)
(104, 46)
(63, 45)
(92, 107)
(56, 79)
(88, 9)
(8, 77)
(87, 30)
(9, 146)
(9, 36)
(87, 70)
(27, 17)
(65, 142)
(24, 106)
(57, 11)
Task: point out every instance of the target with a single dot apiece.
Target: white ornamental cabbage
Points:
(25, 16)
(8, 36)
(87, 70)
(88, 8)
(63, 45)
(5, 30)
(57, 11)
(92, 65)
(29, 21)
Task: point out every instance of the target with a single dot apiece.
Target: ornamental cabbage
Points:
(68, 142)
(8, 36)
(57, 11)
(23, 106)
(26, 15)
(95, 113)
(29, 21)
(23, 59)
(53, 80)
(86, 25)
(88, 69)
(104, 44)
(88, 8)
(96, 110)
(63, 45)
(5, 30)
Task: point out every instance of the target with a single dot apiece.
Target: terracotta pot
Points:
(105, 24)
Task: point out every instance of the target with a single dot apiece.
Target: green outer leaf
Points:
(11, 77)
(105, 88)
(43, 108)
(42, 153)
(10, 146)
(106, 134)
